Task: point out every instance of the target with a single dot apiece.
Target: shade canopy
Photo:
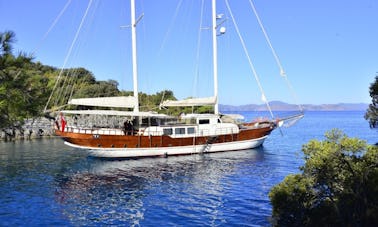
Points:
(207, 101)
(115, 113)
(119, 101)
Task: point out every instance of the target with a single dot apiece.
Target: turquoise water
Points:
(44, 182)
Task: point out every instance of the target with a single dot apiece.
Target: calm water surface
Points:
(44, 182)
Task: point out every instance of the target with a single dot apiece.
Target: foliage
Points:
(372, 112)
(97, 89)
(6, 40)
(22, 88)
(26, 86)
(149, 102)
(338, 185)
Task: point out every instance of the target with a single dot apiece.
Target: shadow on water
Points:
(142, 191)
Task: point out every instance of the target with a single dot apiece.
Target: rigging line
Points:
(143, 36)
(162, 99)
(67, 86)
(48, 31)
(282, 72)
(57, 94)
(62, 90)
(70, 78)
(72, 89)
(71, 75)
(52, 26)
(69, 51)
(275, 55)
(170, 27)
(249, 60)
(195, 82)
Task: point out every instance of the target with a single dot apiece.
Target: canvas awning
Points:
(119, 101)
(115, 113)
(208, 101)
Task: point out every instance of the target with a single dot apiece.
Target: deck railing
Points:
(99, 131)
(109, 131)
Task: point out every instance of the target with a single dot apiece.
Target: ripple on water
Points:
(45, 183)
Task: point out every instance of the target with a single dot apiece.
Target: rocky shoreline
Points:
(31, 129)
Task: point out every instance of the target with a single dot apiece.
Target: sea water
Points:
(45, 183)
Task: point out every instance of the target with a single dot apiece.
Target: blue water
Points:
(43, 182)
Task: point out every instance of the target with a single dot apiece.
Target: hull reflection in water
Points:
(127, 191)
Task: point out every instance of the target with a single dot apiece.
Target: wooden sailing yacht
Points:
(146, 134)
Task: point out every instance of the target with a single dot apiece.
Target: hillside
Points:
(282, 106)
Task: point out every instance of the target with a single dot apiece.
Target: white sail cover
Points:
(120, 101)
(208, 101)
(115, 113)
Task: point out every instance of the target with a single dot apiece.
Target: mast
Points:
(215, 53)
(134, 54)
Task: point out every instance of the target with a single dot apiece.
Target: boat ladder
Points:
(209, 143)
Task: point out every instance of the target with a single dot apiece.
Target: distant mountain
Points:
(338, 107)
(282, 106)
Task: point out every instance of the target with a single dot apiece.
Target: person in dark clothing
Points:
(128, 128)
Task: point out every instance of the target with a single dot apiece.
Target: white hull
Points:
(167, 151)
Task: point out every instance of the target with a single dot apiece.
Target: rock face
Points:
(32, 128)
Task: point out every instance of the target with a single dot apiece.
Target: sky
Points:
(328, 49)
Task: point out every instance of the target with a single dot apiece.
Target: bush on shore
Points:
(338, 185)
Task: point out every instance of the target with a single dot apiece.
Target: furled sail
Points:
(115, 113)
(208, 101)
(119, 101)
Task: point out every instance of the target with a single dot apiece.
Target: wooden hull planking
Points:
(123, 146)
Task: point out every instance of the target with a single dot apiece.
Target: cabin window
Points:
(145, 122)
(167, 131)
(154, 122)
(204, 121)
(149, 122)
(179, 131)
(191, 130)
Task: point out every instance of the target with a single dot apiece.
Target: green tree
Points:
(26, 87)
(372, 112)
(12, 80)
(23, 88)
(338, 185)
(22, 91)
(98, 89)
(152, 102)
(7, 38)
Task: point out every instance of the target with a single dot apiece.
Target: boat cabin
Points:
(152, 124)
(192, 125)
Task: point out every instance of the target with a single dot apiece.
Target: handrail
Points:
(120, 131)
(99, 131)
